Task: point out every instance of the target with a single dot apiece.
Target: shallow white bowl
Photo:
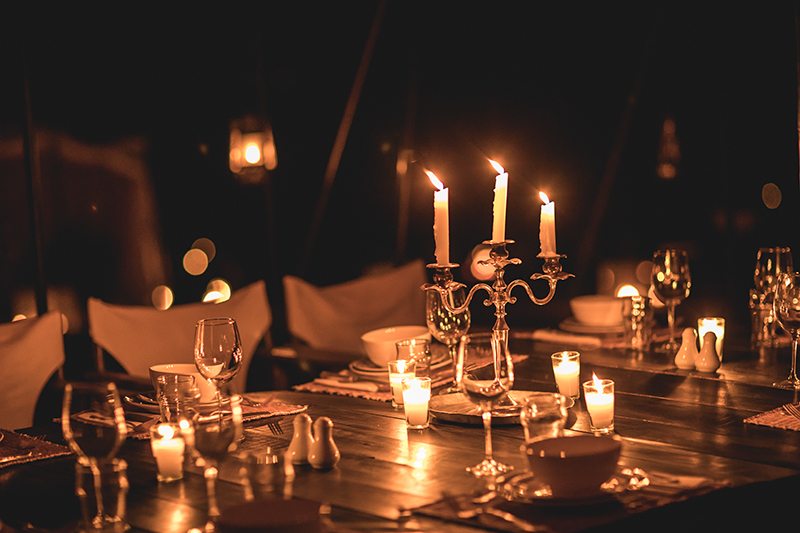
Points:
(573, 466)
(380, 343)
(207, 391)
(597, 310)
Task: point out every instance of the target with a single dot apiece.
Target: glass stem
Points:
(453, 349)
(486, 415)
(671, 322)
(210, 474)
(793, 374)
(98, 494)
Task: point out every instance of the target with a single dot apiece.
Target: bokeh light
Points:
(207, 245)
(162, 297)
(480, 272)
(627, 290)
(217, 290)
(771, 195)
(195, 261)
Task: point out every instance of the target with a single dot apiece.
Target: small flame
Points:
(436, 183)
(497, 167)
(166, 431)
(597, 382)
(544, 197)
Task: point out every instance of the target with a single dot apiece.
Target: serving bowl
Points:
(206, 388)
(573, 466)
(380, 343)
(597, 309)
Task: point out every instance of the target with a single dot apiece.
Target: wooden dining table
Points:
(675, 425)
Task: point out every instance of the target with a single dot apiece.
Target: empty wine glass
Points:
(217, 430)
(671, 282)
(93, 423)
(787, 310)
(445, 326)
(217, 350)
(770, 263)
(485, 373)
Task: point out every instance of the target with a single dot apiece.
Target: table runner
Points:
(16, 448)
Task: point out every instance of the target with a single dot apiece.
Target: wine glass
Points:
(787, 310)
(217, 430)
(485, 373)
(770, 263)
(671, 282)
(93, 424)
(445, 326)
(217, 350)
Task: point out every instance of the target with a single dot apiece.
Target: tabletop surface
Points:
(672, 422)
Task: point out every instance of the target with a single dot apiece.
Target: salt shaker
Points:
(323, 453)
(300, 447)
(708, 359)
(687, 353)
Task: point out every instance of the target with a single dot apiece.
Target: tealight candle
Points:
(599, 396)
(567, 368)
(398, 371)
(416, 395)
(441, 220)
(168, 447)
(499, 205)
(715, 324)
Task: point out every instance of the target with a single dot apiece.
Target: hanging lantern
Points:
(252, 149)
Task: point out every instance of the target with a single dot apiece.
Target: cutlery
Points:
(474, 510)
(792, 409)
(275, 428)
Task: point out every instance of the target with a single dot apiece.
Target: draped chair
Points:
(31, 353)
(138, 337)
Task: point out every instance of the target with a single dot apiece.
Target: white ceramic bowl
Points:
(597, 310)
(206, 389)
(380, 343)
(573, 466)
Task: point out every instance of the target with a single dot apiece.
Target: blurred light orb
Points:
(627, 290)
(19, 317)
(605, 279)
(252, 154)
(220, 288)
(162, 297)
(643, 271)
(213, 297)
(481, 272)
(771, 195)
(207, 245)
(195, 262)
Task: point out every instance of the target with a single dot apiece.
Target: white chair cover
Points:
(139, 337)
(334, 317)
(31, 351)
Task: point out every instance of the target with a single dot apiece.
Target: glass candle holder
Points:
(168, 446)
(715, 324)
(418, 350)
(416, 396)
(567, 370)
(398, 371)
(599, 397)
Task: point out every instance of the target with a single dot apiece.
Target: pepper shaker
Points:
(302, 439)
(324, 453)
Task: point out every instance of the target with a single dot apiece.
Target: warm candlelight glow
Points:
(441, 220)
(716, 325)
(566, 370)
(599, 396)
(497, 166)
(499, 205)
(547, 227)
(544, 197)
(597, 382)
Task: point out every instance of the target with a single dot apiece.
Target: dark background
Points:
(562, 96)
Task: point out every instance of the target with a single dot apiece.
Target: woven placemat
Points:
(776, 418)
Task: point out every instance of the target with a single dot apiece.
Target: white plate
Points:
(456, 407)
(523, 488)
(573, 326)
(365, 367)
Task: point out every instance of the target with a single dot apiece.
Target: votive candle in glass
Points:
(416, 396)
(567, 369)
(168, 447)
(599, 397)
(399, 370)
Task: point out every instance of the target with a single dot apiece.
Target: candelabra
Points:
(499, 291)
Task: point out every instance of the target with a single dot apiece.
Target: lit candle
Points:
(416, 395)
(499, 206)
(547, 227)
(599, 395)
(399, 370)
(168, 451)
(714, 324)
(566, 368)
(441, 220)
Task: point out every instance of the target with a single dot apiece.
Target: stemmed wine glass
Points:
(93, 424)
(770, 264)
(217, 350)
(671, 282)
(485, 373)
(217, 430)
(787, 310)
(445, 326)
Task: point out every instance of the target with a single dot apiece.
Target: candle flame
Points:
(597, 382)
(497, 167)
(166, 431)
(544, 197)
(436, 183)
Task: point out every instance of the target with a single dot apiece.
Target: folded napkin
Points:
(16, 448)
(554, 336)
(776, 418)
(345, 383)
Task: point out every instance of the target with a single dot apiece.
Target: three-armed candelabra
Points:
(499, 291)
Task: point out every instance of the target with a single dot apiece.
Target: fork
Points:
(474, 510)
(275, 428)
(792, 410)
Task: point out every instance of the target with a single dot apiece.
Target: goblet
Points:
(485, 373)
(217, 430)
(217, 350)
(447, 327)
(787, 310)
(93, 424)
(671, 282)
